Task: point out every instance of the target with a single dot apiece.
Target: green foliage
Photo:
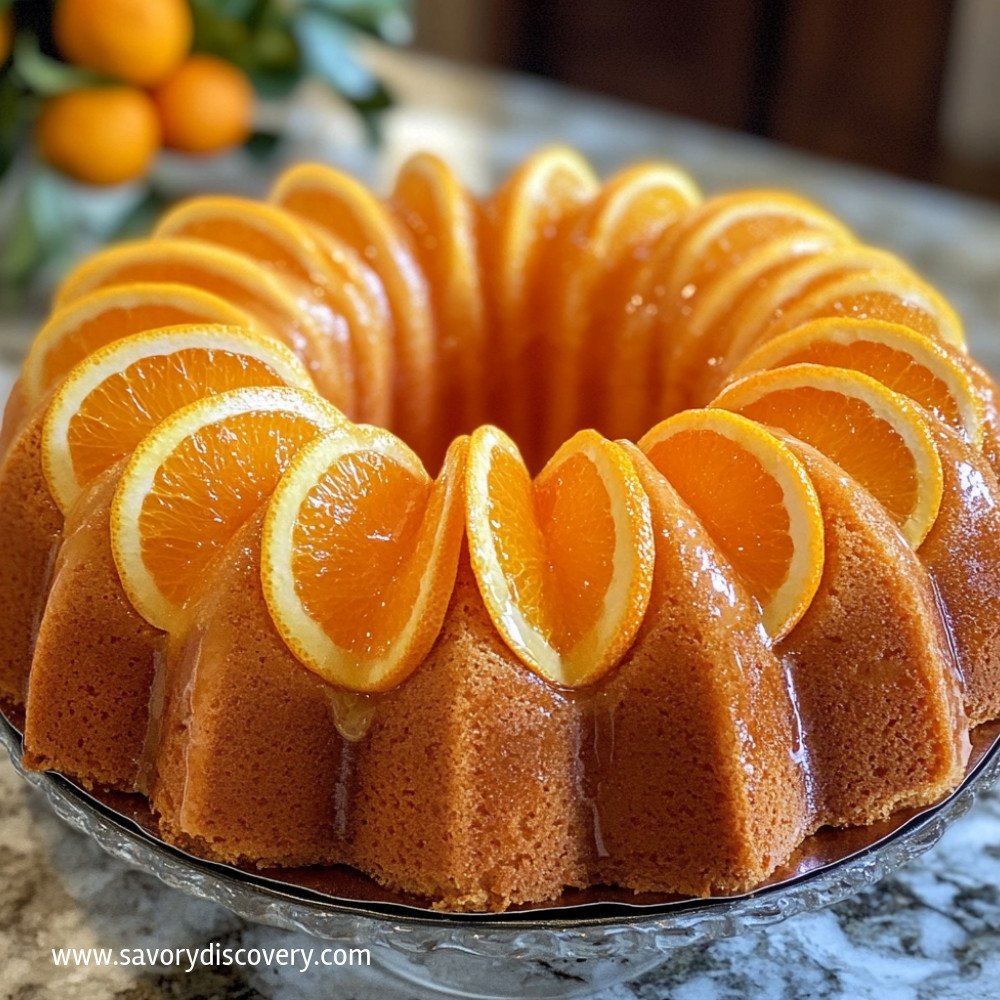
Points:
(277, 43)
(43, 76)
(38, 230)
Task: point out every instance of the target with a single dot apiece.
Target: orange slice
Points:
(878, 436)
(629, 214)
(107, 315)
(110, 401)
(893, 295)
(264, 232)
(564, 563)
(521, 252)
(761, 312)
(348, 211)
(360, 551)
(443, 220)
(756, 501)
(722, 249)
(713, 254)
(717, 237)
(195, 480)
(900, 358)
(223, 272)
(347, 297)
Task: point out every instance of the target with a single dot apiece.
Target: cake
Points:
(707, 558)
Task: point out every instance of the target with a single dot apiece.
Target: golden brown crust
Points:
(697, 777)
(247, 756)
(93, 665)
(962, 555)
(32, 526)
(876, 683)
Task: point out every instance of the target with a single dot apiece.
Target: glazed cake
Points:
(758, 597)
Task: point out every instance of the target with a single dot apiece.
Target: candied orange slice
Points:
(710, 257)
(344, 208)
(719, 236)
(629, 214)
(761, 313)
(196, 479)
(878, 436)
(261, 231)
(900, 358)
(110, 401)
(522, 252)
(224, 272)
(347, 302)
(756, 501)
(564, 563)
(893, 295)
(443, 220)
(110, 314)
(359, 555)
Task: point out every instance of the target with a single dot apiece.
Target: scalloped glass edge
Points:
(583, 939)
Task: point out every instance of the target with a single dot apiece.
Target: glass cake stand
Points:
(584, 942)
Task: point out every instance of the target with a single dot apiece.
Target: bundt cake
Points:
(708, 557)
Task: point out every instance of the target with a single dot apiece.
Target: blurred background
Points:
(907, 86)
(105, 119)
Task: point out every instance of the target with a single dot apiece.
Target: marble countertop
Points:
(931, 931)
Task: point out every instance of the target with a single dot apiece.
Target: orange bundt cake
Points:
(707, 556)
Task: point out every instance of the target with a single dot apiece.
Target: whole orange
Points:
(206, 106)
(137, 41)
(101, 135)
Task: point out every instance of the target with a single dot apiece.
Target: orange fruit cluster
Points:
(517, 319)
(158, 94)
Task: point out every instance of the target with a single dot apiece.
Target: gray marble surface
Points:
(931, 931)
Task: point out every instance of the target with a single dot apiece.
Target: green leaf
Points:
(23, 251)
(41, 223)
(236, 10)
(16, 110)
(222, 36)
(275, 48)
(44, 75)
(261, 145)
(141, 218)
(274, 83)
(370, 109)
(389, 20)
(326, 52)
